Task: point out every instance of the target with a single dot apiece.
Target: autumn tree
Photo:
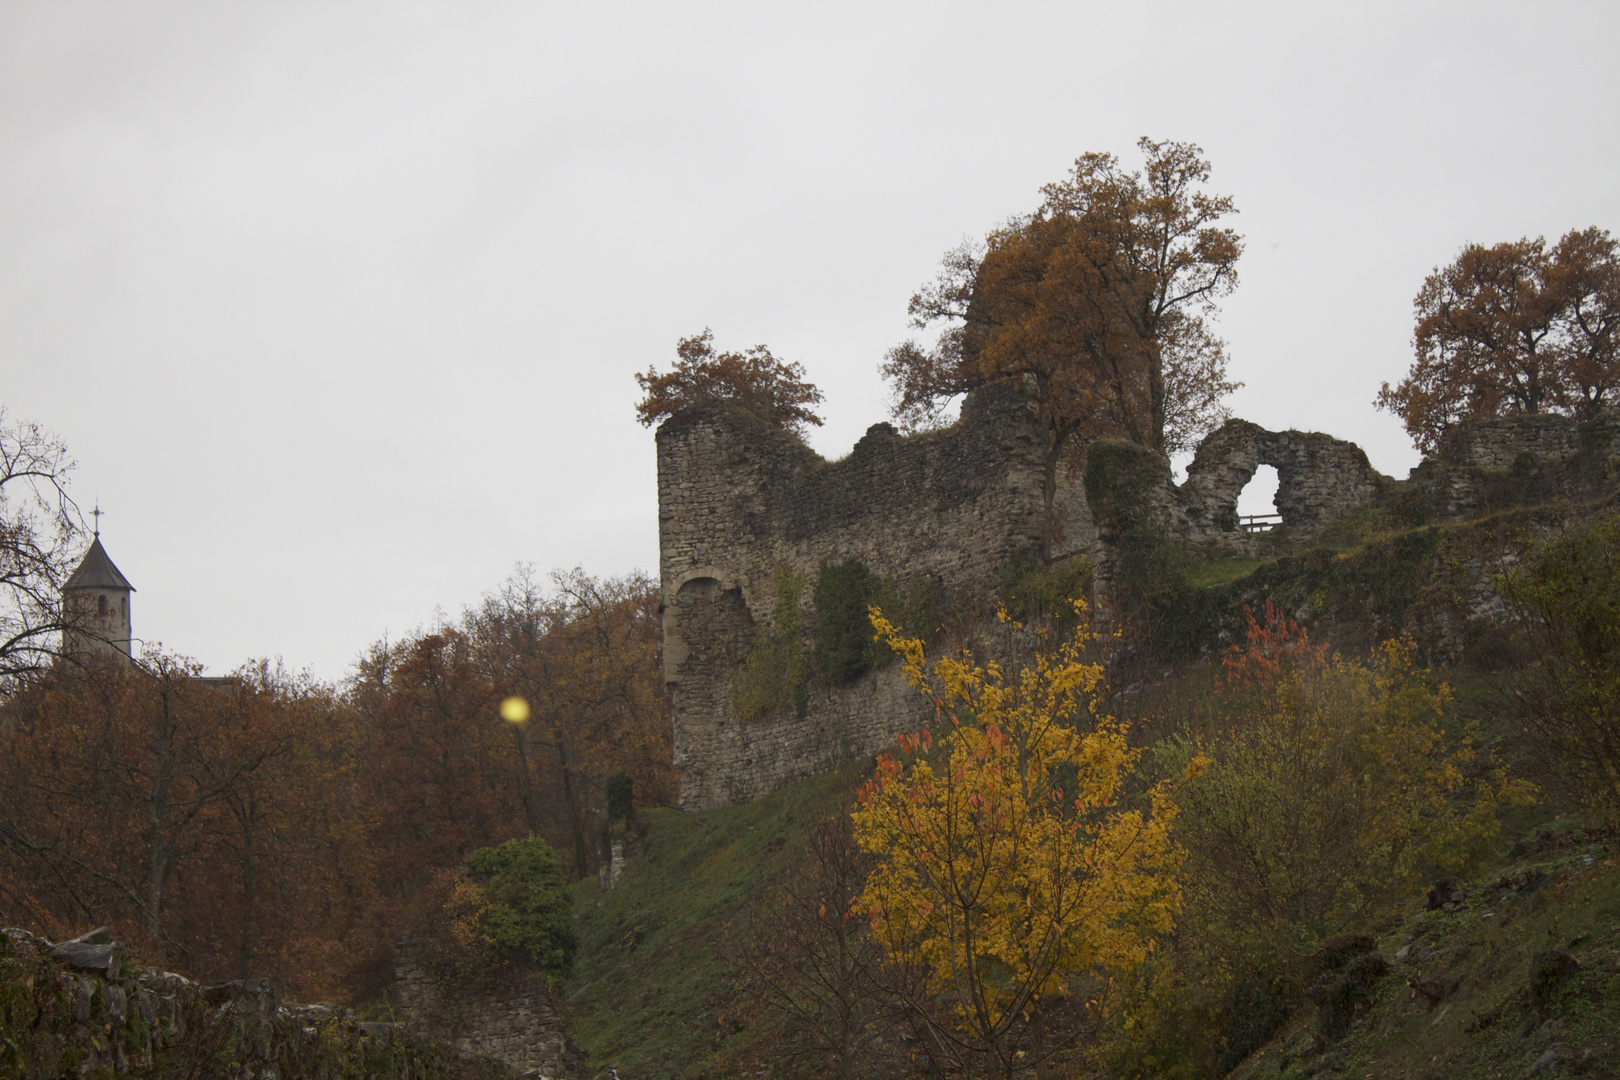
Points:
(757, 381)
(1008, 865)
(1513, 329)
(39, 529)
(1097, 304)
(810, 960)
(439, 779)
(210, 821)
(583, 657)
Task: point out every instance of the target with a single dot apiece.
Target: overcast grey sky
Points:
(338, 304)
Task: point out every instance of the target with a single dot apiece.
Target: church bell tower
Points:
(96, 603)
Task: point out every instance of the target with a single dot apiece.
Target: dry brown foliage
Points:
(1510, 329)
(757, 381)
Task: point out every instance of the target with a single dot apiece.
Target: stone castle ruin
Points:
(739, 499)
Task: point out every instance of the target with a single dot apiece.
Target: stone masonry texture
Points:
(738, 498)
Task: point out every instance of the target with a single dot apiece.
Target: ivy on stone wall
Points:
(845, 648)
(1150, 582)
(1120, 478)
(775, 675)
(621, 796)
(1035, 592)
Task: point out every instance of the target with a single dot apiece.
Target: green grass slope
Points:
(1477, 990)
(652, 992)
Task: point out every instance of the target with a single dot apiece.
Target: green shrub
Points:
(1033, 591)
(529, 913)
(774, 677)
(844, 645)
(1567, 597)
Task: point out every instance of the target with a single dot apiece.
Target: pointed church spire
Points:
(97, 599)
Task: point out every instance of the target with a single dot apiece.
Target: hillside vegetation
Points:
(1250, 980)
(657, 982)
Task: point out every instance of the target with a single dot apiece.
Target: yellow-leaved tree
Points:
(1008, 868)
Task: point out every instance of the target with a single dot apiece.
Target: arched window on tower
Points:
(101, 604)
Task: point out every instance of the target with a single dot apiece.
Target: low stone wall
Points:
(515, 1020)
(1496, 443)
(80, 1008)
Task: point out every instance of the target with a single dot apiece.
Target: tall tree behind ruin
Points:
(447, 773)
(584, 656)
(1097, 303)
(1513, 329)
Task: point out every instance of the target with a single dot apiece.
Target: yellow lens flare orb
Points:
(515, 709)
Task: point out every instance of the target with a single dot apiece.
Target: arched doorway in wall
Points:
(1256, 504)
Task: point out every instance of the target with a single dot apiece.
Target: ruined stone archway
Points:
(1319, 478)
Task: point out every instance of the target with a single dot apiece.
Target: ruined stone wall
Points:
(1496, 443)
(1521, 459)
(81, 1008)
(515, 1021)
(739, 498)
(1319, 479)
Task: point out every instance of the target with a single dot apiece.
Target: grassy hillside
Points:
(652, 994)
(656, 992)
(1479, 989)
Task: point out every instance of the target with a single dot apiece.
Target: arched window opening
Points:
(101, 604)
(1256, 505)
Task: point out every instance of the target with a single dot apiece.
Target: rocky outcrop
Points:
(82, 1008)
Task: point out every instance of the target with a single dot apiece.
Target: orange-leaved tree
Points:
(1096, 303)
(1008, 864)
(757, 381)
(1515, 328)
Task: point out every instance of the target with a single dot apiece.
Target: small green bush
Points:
(529, 913)
(1033, 591)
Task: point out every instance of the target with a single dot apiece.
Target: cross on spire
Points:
(97, 513)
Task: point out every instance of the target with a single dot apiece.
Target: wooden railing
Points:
(1259, 523)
